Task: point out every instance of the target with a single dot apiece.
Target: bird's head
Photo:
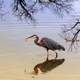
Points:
(33, 36)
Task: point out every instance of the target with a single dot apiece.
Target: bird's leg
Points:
(56, 55)
(47, 55)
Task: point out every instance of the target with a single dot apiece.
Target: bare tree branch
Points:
(22, 9)
(74, 35)
(74, 26)
(26, 9)
(59, 5)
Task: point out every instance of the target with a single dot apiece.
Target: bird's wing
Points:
(48, 43)
(54, 45)
(51, 44)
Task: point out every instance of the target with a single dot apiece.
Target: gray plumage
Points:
(48, 44)
(51, 44)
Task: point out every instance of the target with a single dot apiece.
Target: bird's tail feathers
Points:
(62, 48)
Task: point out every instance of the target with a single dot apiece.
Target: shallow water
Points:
(16, 54)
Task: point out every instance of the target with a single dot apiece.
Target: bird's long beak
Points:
(29, 37)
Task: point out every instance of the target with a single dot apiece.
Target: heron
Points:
(47, 43)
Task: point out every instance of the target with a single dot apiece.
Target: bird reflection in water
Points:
(47, 65)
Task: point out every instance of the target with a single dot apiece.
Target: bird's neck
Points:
(36, 41)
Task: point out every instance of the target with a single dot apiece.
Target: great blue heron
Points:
(47, 43)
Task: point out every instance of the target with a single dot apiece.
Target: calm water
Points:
(16, 54)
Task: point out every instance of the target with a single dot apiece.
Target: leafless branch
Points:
(59, 5)
(22, 9)
(74, 35)
(74, 26)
